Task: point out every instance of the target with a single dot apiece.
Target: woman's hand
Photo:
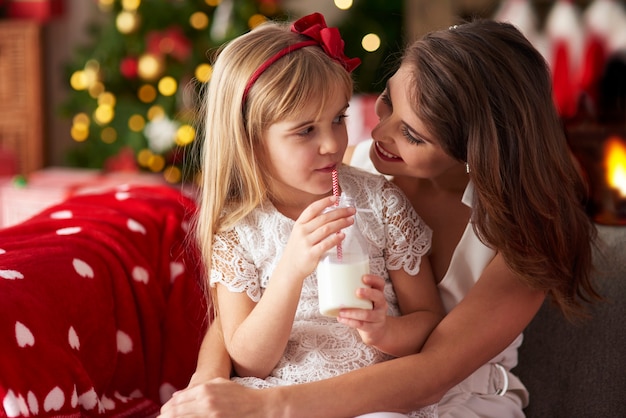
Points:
(216, 398)
(370, 323)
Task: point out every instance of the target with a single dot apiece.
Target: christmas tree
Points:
(373, 30)
(135, 86)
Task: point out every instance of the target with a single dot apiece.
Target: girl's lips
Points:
(328, 169)
(384, 154)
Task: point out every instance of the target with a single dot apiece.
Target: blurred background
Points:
(113, 84)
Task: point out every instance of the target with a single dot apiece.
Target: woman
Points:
(469, 132)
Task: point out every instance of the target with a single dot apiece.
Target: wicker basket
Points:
(21, 107)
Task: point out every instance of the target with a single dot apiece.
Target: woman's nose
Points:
(383, 114)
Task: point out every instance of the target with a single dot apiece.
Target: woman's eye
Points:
(409, 137)
(384, 97)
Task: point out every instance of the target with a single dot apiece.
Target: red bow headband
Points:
(314, 27)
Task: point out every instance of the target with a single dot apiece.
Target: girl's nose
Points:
(330, 143)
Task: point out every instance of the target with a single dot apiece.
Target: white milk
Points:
(337, 282)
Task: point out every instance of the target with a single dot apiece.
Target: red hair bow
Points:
(314, 27)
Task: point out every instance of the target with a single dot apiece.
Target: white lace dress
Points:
(245, 256)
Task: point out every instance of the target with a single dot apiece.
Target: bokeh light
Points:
(103, 114)
(108, 135)
(168, 86)
(136, 123)
(256, 20)
(370, 42)
(172, 174)
(147, 93)
(199, 20)
(185, 135)
(127, 22)
(203, 72)
(343, 4)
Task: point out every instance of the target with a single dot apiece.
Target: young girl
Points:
(275, 131)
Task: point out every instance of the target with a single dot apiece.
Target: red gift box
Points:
(41, 10)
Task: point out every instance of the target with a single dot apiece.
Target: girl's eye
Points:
(410, 137)
(305, 131)
(340, 119)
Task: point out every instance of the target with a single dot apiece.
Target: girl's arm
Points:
(213, 359)
(256, 333)
(489, 318)
(420, 307)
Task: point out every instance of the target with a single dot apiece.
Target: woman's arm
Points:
(494, 312)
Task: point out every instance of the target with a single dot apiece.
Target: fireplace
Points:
(601, 153)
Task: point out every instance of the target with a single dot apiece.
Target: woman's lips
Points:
(384, 154)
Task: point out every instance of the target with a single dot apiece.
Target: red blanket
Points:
(101, 307)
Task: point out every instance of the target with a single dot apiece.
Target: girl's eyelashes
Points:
(305, 131)
(340, 119)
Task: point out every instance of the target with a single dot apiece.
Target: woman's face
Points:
(402, 144)
(300, 152)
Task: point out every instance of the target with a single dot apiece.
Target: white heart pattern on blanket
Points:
(11, 405)
(54, 400)
(62, 214)
(24, 337)
(11, 274)
(141, 275)
(72, 230)
(124, 342)
(122, 195)
(83, 269)
(135, 226)
(176, 269)
(73, 339)
(33, 405)
(89, 399)
(106, 404)
(166, 391)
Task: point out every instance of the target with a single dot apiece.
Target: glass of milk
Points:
(340, 270)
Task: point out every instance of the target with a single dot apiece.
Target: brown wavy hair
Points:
(485, 92)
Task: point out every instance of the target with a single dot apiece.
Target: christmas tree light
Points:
(135, 87)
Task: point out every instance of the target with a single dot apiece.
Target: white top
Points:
(319, 347)
(469, 260)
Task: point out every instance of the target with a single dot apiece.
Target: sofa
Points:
(579, 370)
(102, 313)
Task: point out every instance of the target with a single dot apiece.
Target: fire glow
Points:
(615, 164)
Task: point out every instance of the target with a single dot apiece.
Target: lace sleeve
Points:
(230, 267)
(408, 237)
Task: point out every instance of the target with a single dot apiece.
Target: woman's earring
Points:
(467, 169)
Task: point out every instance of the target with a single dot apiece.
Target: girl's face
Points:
(302, 151)
(402, 144)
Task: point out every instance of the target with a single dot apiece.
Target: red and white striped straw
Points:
(335, 186)
(336, 194)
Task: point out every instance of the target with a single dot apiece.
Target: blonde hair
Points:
(234, 180)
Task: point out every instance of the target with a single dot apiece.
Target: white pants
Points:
(477, 396)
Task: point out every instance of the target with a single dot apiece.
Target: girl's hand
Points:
(314, 233)
(370, 323)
